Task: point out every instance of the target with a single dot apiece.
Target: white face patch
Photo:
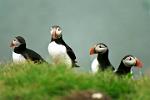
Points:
(16, 43)
(129, 61)
(56, 32)
(101, 48)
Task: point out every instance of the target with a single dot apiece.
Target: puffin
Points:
(127, 63)
(59, 51)
(21, 53)
(101, 62)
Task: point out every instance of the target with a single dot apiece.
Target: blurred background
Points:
(123, 25)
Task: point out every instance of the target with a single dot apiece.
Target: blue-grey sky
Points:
(123, 25)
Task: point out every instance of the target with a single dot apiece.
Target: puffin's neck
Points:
(20, 49)
(58, 41)
(104, 60)
(122, 69)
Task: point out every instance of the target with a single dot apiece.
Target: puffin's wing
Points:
(72, 56)
(70, 53)
(33, 56)
(69, 50)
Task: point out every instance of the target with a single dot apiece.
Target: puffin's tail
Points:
(74, 64)
(112, 68)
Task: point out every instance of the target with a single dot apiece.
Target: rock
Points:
(86, 95)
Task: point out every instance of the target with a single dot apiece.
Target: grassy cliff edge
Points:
(45, 82)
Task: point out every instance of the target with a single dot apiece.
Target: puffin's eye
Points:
(58, 29)
(100, 46)
(129, 58)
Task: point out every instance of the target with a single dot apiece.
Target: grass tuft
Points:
(46, 82)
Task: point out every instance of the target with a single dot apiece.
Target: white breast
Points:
(59, 54)
(17, 58)
(95, 66)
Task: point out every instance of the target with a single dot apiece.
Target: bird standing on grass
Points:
(127, 63)
(101, 62)
(21, 53)
(60, 52)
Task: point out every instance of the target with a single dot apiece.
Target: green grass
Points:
(46, 82)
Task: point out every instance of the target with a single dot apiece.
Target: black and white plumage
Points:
(21, 53)
(101, 62)
(60, 52)
(127, 63)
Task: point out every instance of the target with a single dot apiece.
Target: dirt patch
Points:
(86, 95)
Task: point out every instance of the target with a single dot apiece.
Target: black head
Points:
(99, 48)
(56, 32)
(130, 60)
(17, 42)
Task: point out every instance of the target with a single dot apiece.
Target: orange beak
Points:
(12, 45)
(54, 34)
(92, 51)
(139, 63)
